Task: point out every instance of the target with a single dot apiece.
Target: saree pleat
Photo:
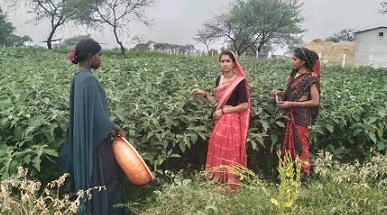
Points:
(296, 141)
(226, 147)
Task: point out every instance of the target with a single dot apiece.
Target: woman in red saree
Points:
(301, 100)
(227, 144)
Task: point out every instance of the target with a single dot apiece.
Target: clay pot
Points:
(131, 162)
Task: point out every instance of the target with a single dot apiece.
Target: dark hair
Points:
(310, 57)
(229, 53)
(84, 49)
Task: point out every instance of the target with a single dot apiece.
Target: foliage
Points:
(117, 13)
(173, 48)
(383, 10)
(346, 188)
(194, 194)
(7, 33)
(183, 193)
(149, 96)
(343, 35)
(203, 37)
(250, 24)
(288, 190)
(70, 43)
(57, 12)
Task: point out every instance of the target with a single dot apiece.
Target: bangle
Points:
(293, 104)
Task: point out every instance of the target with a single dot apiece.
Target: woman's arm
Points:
(229, 109)
(204, 94)
(236, 109)
(313, 102)
(280, 93)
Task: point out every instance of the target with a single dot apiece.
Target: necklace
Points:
(229, 77)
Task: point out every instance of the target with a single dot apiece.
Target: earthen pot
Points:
(131, 162)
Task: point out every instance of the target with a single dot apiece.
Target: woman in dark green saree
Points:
(87, 155)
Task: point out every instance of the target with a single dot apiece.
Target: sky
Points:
(177, 21)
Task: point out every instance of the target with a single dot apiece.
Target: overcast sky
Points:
(177, 21)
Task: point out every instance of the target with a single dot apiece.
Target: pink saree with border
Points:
(227, 144)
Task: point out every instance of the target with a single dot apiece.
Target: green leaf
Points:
(274, 138)
(339, 150)
(330, 128)
(356, 132)
(382, 113)
(265, 126)
(372, 137)
(372, 120)
(36, 162)
(280, 123)
(381, 146)
(182, 146)
(380, 132)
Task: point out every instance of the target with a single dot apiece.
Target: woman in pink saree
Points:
(227, 144)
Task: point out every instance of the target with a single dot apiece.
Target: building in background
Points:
(371, 47)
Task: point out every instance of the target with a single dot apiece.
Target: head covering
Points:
(238, 71)
(317, 69)
(311, 58)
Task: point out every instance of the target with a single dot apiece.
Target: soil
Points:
(332, 52)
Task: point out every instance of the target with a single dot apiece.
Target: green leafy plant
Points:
(290, 183)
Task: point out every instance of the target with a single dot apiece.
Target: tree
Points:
(254, 23)
(116, 13)
(205, 38)
(141, 46)
(173, 48)
(7, 36)
(23, 41)
(384, 8)
(6, 30)
(343, 35)
(57, 12)
(72, 41)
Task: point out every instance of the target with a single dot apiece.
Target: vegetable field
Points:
(149, 96)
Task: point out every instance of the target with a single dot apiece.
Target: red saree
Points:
(227, 144)
(296, 138)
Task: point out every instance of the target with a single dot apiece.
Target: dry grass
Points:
(20, 195)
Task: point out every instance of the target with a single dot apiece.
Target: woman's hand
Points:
(217, 114)
(198, 92)
(275, 92)
(285, 104)
(118, 132)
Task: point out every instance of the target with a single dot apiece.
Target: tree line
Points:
(247, 26)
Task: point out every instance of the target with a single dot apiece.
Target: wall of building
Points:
(371, 48)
